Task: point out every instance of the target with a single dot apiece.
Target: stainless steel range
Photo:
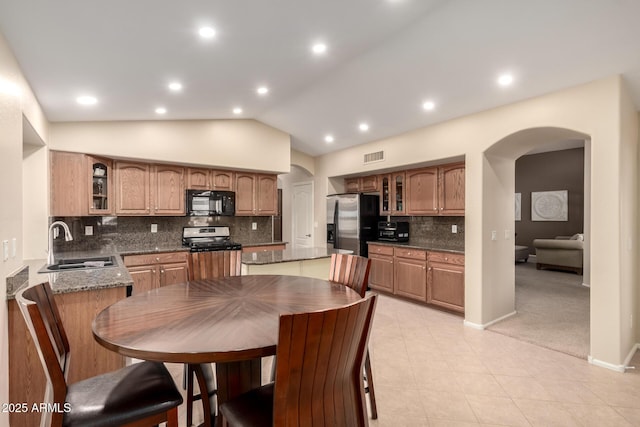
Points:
(208, 238)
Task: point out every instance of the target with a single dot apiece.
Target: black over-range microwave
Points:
(211, 203)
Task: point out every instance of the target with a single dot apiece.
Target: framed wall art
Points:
(550, 205)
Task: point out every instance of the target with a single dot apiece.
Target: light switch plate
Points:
(254, 225)
(5, 250)
(88, 230)
(454, 228)
(494, 235)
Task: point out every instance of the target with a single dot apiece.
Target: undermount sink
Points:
(73, 264)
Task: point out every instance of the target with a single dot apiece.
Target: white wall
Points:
(234, 144)
(16, 99)
(593, 110)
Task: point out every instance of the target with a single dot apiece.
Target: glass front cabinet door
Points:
(101, 186)
(398, 193)
(385, 199)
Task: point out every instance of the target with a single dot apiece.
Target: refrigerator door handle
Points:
(336, 244)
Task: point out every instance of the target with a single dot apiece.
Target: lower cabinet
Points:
(88, 358)
(410, 278)
(433, 277)
(381, 272)
(446, 280)
(150, 271)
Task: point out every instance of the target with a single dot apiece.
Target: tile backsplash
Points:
(434, 230)
(127, 231)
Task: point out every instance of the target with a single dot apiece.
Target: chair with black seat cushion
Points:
(207, 265)
(320, 356)
(353, 271)
(141, 394)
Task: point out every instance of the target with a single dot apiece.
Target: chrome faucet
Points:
(67, 237)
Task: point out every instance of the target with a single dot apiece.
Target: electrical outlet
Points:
(494, 235)
(154, 228)
(454, 228)
(254, 225)
(88, 230)
(5, 250)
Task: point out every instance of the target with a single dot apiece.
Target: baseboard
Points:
(607, 365)
(486, 325)
(632, 353)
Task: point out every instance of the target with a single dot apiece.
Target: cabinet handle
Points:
(161, 271)
(429, 269)
(153, 271)
(424, 268)
(446, 259)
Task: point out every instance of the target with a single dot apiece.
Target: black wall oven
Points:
(210, 203)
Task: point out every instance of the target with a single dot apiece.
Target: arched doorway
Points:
(551, 309)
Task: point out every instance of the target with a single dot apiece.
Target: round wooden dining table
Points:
(231, 321)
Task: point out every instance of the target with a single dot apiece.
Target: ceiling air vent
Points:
(378, 156)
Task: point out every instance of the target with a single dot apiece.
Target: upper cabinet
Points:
(256, 194)
(437, 190)
(100, 186)
(167, 191)
(398, 194)
(222, 180)
(209, 179)
(68, 184)
(451, 189)
(422, 191)
(198, 179)
(132, 188)
(365, 184)
(144, 189)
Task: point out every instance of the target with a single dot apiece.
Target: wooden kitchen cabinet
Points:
(451, 182)
(144, 189)
(68, 184)
(398, 193)
(198, 179)
(222, 180)
(410, 273)
(381, 273)
(132, 188)
(26, 377)
(151, 271)
(256, 194)
(445, 281)
(422, 191)
(352, 185)
(100, 186)
(167, 191)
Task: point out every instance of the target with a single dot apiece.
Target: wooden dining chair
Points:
(141, 394)
(353, 271)
(318, 381)
(214, 264)
(207, 265)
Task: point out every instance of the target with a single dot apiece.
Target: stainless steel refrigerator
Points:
(351, 221)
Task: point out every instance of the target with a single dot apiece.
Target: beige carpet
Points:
(552, 310)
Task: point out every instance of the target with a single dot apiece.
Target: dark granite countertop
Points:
(70, 281)
(288, 255)
(428, 246)
(252, 244)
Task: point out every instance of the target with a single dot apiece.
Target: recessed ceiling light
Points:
(505, 79)
(87, 100)
(428, 105)
(319, 48)
(161, 110)
(329, 138)
(175, 86)
(207, 32)
(262, 90)
(363, 127)
(237, 110)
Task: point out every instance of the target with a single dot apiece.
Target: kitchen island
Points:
(309, 262)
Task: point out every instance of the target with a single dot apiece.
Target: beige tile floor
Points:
(430, 370)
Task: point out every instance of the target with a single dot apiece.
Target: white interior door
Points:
(302, 215)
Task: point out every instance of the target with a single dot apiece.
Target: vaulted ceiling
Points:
(384, 59)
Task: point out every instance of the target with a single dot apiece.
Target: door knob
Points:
(307, 235)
